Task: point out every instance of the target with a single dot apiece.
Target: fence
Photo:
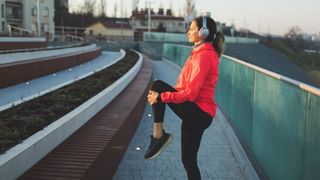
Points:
(180, 37)
(278, 118)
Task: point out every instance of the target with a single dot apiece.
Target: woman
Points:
(192, 97)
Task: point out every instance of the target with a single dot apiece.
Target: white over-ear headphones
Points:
(204, 31)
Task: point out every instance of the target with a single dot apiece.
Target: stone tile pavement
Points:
(216, 159)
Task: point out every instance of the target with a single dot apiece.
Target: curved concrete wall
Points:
(13, 43)
(19, 57)
(43, 63)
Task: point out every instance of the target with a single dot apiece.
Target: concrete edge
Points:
(246, 167)
(23, 156)
(27, 98)
(22, 39)
(29, 56)
(170, 62)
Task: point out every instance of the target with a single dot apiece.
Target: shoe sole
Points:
(162, 148)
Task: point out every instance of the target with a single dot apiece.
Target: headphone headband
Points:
(204, 31)
(204, 21)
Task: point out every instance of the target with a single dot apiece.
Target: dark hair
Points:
(215, 36)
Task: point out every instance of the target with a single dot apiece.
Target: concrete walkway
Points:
(216, 158)
(20, 91)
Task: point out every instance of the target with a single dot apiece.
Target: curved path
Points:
(216, 158)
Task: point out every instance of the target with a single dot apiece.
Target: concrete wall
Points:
(12, 43)
(117, 45)
(24, 71)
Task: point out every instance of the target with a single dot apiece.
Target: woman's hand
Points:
(152, 97)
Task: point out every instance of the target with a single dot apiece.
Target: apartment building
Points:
(2, 16)
(26, 14)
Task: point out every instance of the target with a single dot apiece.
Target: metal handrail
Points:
(73, 37)
(301, 85)
(21, 30)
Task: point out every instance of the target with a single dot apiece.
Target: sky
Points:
(260, 16)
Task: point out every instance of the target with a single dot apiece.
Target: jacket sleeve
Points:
(198, 74)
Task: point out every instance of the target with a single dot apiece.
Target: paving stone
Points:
(215, 157)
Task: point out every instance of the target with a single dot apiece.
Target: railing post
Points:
(9, 28)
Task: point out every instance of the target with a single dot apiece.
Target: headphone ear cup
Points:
(204, 32)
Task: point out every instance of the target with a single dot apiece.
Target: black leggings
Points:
(194, 122)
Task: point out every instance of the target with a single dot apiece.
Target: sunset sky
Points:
(264, 16)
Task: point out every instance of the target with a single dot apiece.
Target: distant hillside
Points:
(271, 59)
(295, 51)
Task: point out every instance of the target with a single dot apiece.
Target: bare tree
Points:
(122, 8)
(294, 38)
(103, 5)
(190, 8)
(115, 9)
(294, 33)
(171, 7)
(89, 6)
(135, 4)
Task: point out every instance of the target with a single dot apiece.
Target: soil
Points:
(22, 121)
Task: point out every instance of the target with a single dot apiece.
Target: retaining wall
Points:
(23, 71)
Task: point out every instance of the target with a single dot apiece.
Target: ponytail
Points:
(218, 43)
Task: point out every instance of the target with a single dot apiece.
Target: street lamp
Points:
(38, 18)
(149, 17)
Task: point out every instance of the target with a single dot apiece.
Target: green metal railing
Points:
(277, 117)
(180, 37)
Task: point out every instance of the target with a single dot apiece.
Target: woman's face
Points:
(193, 33)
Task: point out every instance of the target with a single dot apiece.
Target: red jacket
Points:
(197, 80)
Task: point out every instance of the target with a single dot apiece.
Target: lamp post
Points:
(38, 18)
(149, 17)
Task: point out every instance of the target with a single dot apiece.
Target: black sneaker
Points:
(158, 145)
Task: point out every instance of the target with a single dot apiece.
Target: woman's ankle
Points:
(157, 130)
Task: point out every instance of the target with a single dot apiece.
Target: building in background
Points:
(111, 29)
(160, 22)
(24, 17)
(2, 17)
(46, 17)
(14, 10)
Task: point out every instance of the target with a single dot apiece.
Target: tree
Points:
(294, 38)
(294, 33)
(115, 9)
(135, 4)
(89, 6)
(190, 9)
(103, 5)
